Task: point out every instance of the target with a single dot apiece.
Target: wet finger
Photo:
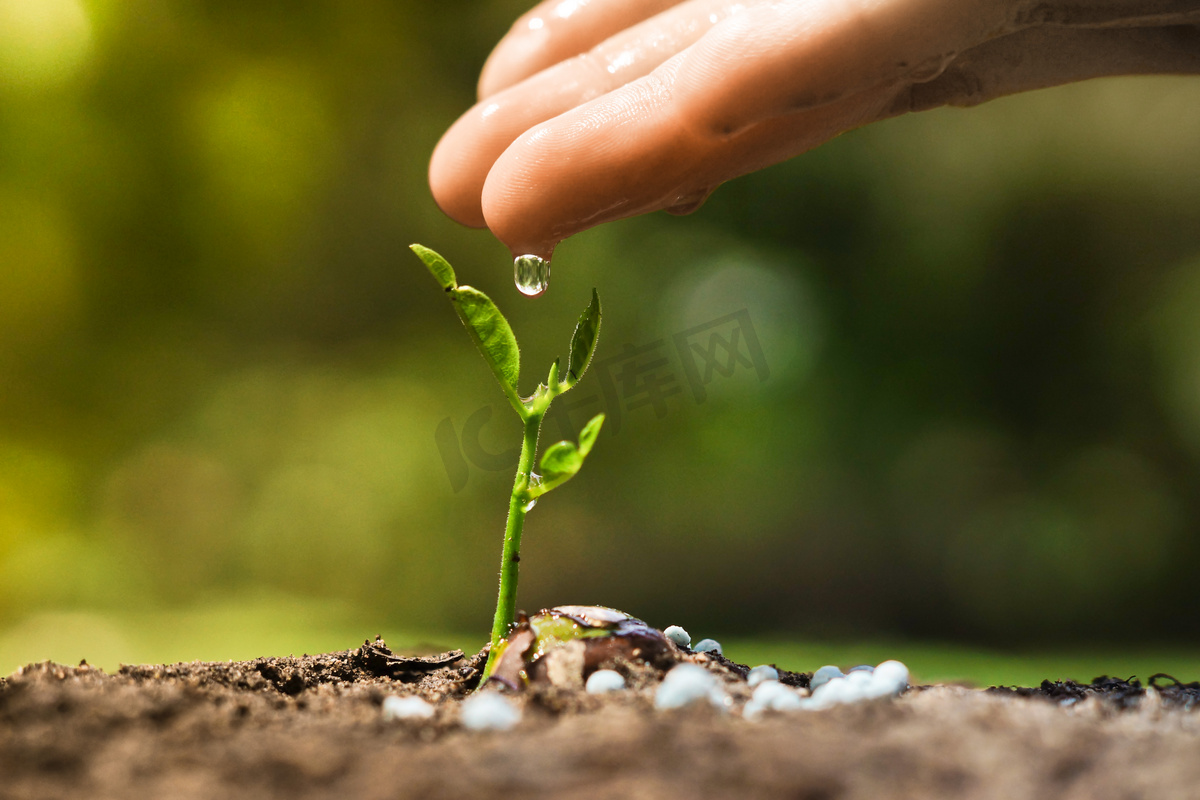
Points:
(555, 30)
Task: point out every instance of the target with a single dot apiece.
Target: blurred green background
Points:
(221, 371)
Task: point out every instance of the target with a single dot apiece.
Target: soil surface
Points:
(314, 727)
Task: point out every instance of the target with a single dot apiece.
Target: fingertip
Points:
(469, 150)
(518, 223)
(452, 183)
(619, 155)
(519, 198)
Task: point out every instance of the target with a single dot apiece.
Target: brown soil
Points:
(312, 727)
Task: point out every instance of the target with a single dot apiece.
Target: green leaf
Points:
(587, 437)
(583, 342)
(443, 273)
(492, 334)
(561, 459)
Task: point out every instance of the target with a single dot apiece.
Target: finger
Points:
(555, 30)
(1041, 57)
(632, 151)
(465, 154)
(816, 51)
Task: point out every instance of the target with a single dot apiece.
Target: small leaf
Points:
(587, 437)
(443, 273)
(583, 342)
(492, 334)
(561, 459)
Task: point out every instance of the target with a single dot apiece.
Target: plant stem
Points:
(510, 562)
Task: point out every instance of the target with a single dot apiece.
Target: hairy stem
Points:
(510, 562)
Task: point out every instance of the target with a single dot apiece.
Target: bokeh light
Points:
(43, 43)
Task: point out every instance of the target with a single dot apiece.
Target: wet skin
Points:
(596, 110)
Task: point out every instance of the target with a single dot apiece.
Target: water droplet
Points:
(531, 274)
(534, 481)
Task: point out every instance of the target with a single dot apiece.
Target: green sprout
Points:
(495, 339)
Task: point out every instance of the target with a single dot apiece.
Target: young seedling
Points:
(494, 337)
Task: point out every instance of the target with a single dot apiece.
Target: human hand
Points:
(596, 110)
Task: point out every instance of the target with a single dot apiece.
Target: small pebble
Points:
(406, 708)
(857, 678)
(772, 696)
(489, 711)
(889, 679)
(760, 674)
(678, 635)
(831, 693)
(823, 676)
(687, 683)
(708, 646)
(603, 681)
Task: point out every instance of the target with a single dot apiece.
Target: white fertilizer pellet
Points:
(708, 646)
(857, 678)
(678, 635)
(489, 712)
(889, 679)
(772, 696)
(603, 681)
(406, 708)
(823, 676)
(686, 684)
(760, 674)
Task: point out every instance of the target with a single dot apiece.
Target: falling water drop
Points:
(535, 480)
(531, 274)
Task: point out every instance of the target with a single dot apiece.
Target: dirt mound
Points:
(1124, 693)
(313, 727)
